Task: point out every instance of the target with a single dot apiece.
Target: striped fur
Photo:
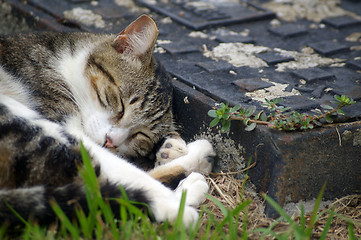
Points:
(107, 91)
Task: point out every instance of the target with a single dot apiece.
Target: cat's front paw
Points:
(196, 186)
(168, 209)
(199, 158)
(173, 147)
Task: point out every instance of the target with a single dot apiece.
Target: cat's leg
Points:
(196, 186)
(163, 201)
(19, 109)
(188, 166)
(173, 147)
(182, 166)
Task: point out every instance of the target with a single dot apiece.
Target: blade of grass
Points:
(92, 189)
(244, 224)
(211, 222)
(315, 210)
(179, 225)
(192, 233)
(279, 209)
(84, 223)
(302, 216)
(268, 231)
(296, 229)
(16, 213)
(223, 209)
(88, 172)
(3, 230)
(327, 225)
(351, 232)
(65, 220)
(246, 173)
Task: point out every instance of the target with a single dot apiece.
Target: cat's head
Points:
(131, 91)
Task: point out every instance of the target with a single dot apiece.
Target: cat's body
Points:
(109, 93)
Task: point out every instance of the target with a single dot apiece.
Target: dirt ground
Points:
(229, 191)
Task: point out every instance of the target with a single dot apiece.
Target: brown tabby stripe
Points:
(98, 96)
(134, 100)
(150, 90)
(163, 111)
(102, 69)
(47, 149)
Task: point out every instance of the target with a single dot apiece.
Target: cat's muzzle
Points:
(115, 137)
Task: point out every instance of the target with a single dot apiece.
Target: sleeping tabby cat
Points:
(107, 91)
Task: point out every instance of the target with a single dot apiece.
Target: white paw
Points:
(168, 209)
(196, 186)
(199, 158)
(171, 149)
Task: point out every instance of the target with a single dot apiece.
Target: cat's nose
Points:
(115, 137)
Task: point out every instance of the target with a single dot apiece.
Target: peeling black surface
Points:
(198, 18)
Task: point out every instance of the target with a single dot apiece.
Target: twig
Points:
(339, 137)
(220, 192)
(250, 120)
(328, 113)
(233, 173)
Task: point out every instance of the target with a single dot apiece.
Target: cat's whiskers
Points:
(68, 94)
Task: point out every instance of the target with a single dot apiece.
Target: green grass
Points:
(99, 223)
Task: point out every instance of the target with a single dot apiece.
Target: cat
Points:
(107, 92)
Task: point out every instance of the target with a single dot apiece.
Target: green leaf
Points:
(251, 127)
(317, 111)
(250, 111)
(337, 97)
(328, 119)
(263, 117)
(245, 121)
(340, 112)
(226, 116)
(235, 108)
(212, 113)
(258, 115)
(214, 122)
(317, 123)
(326, 106)
(225, 126)
(277, 100)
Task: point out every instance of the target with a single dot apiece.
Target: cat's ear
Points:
(138, 39)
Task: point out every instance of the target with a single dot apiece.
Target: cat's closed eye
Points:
(141, 135)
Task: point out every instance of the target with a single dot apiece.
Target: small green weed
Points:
(280, 117)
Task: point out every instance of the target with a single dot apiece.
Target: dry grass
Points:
(229, 191)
